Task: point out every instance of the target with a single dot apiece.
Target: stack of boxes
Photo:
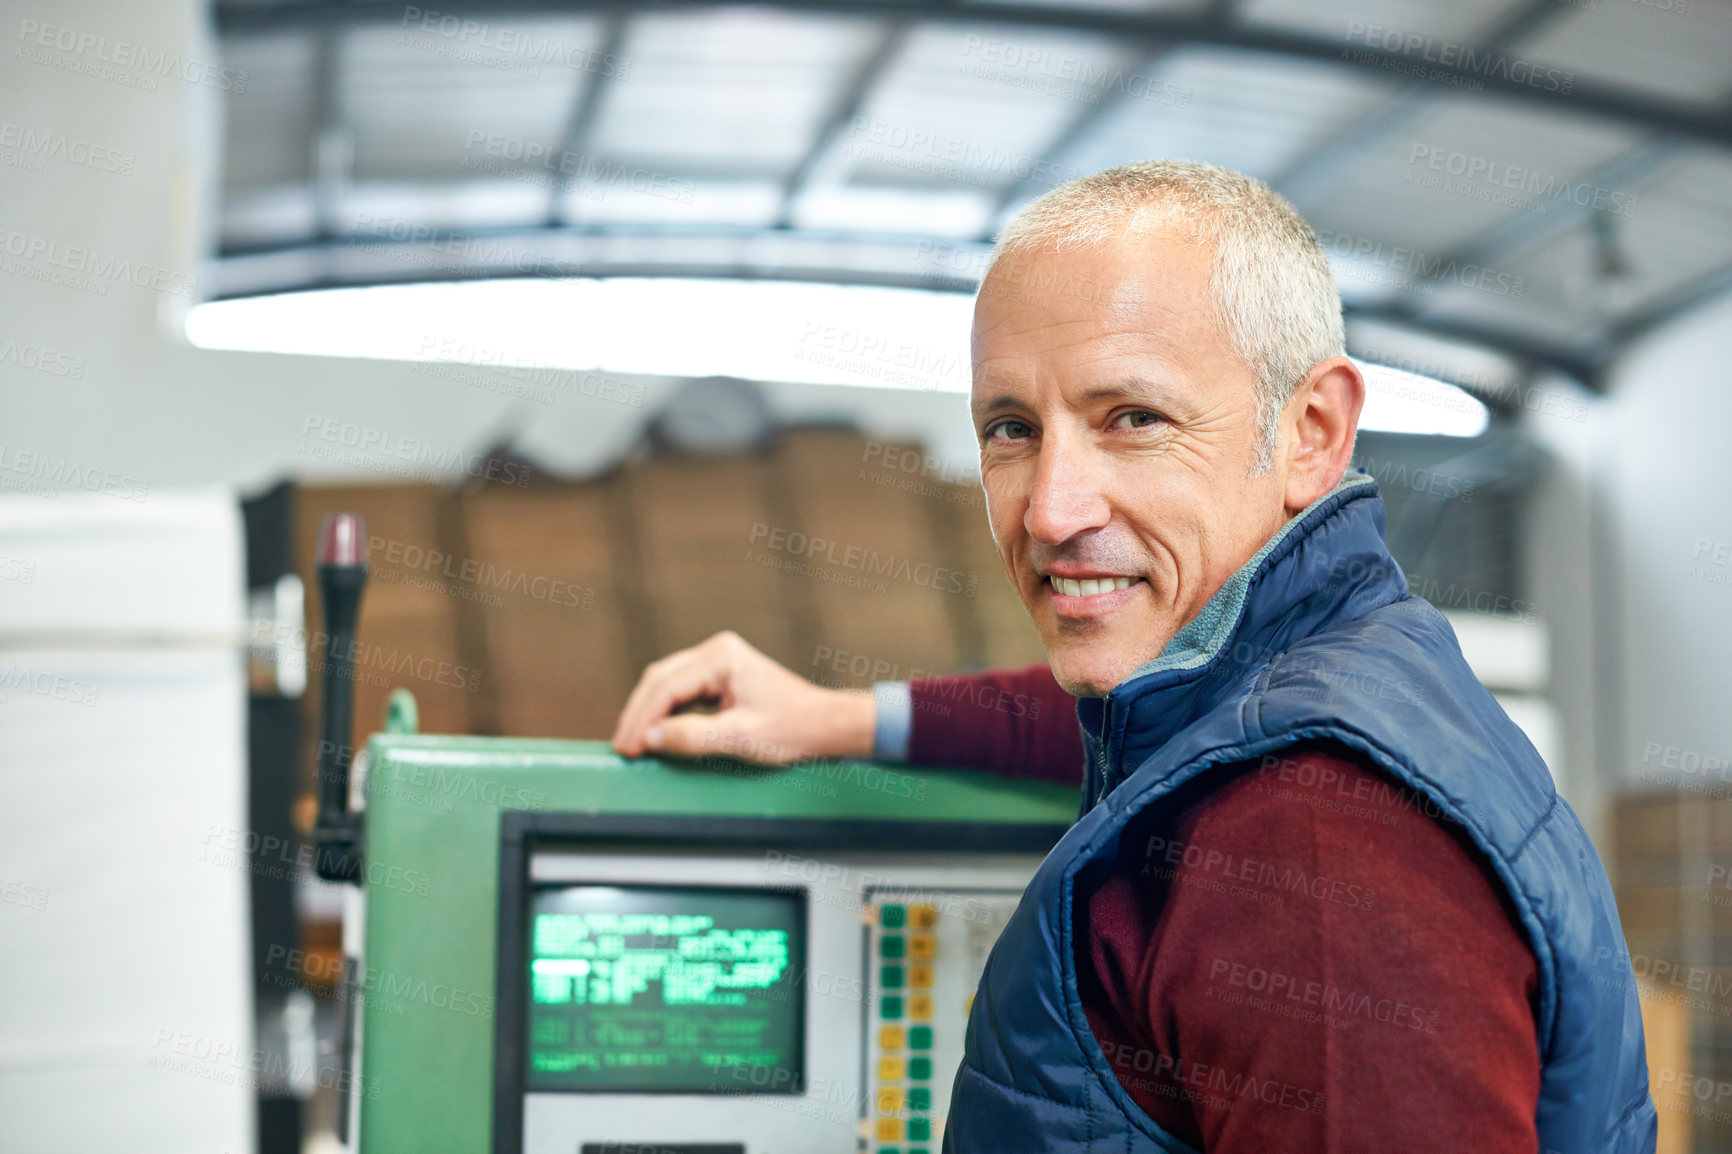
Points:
(531, 611)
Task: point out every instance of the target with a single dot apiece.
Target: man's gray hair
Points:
(1275, 298)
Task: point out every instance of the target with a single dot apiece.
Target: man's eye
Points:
(1009, 431)
(1136, 419)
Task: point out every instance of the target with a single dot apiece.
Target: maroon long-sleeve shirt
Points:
(1302, 956)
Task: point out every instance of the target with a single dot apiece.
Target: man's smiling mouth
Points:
(1071, 587)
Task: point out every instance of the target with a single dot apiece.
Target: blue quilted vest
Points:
(1316, 637)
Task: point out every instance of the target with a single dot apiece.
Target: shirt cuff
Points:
(894, 723)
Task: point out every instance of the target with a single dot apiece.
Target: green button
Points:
(919, 1150)
(920, 1037)
(917, 1067)
(920, 1098)
(919, 1129)
(891, 1007)
(892, 917)
(890, 977)
(891, 946)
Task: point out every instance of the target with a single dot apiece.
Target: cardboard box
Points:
(545, 585)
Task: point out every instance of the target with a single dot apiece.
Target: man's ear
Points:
(1323, 417)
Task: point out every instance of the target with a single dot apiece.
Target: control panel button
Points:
(923, 960)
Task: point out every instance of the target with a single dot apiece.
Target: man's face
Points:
(1118, 435)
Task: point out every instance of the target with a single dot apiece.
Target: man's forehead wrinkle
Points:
(998, 403)
(1132, 362)
(1079, 332)
(1021, 322)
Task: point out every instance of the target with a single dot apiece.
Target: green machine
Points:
(552, 948)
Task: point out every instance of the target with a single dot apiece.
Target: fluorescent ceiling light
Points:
(1402, 402)
(757, 330)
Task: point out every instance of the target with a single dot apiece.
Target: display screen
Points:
(649, 988)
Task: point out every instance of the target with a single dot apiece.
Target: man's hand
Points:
(768, 715)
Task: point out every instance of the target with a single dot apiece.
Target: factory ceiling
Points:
(1546, 178)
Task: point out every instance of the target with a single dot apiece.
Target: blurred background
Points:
(605, 315)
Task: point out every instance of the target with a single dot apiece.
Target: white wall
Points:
(126, 1021)
(1670, 520)
(1562, 530)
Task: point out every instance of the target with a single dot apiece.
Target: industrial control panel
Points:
(632, 956)
(741, 987)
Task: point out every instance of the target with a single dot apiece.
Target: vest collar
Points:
(1327, 564)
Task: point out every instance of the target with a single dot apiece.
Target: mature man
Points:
(1322, 895)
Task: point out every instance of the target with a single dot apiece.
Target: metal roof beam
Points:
(1080, 125)
(1687, 298)
(1584, 365)
(1219, 13)
(588, 95)
(332, 145)
(540, 248)
(1522, 230)
(832, 135)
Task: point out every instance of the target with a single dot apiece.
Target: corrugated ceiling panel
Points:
(1350, 20)
(430, 107)
(734, 92)
(270, 125)
(1464, 166)
(1675, 48)
(977, 108)
(1248, 111)
(1680, 231)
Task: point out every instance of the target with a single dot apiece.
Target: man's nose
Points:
(1067, 497)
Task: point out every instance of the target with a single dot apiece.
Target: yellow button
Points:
(922, 917)
(889, 1129)
(920, 977)
(890, 1069)
(922, 946)
(889, 1100)
(920, 1008)
(968, 1006)
(890, 1038)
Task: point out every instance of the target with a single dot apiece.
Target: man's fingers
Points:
(631, 718)
(722, 735)
(684, 735)
(681, 678)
